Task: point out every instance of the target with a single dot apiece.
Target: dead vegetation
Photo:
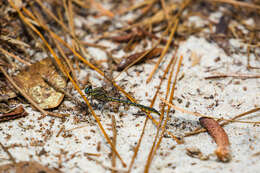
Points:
(43, 49)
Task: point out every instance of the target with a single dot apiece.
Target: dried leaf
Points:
(14, 114)
(31, 82)
(127, 61)
(26, 167)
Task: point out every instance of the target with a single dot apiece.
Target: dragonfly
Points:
(102, 95)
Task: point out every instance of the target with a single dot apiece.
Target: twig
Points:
(61, 130)
(202, 115)
(14, 56)
(137, 146)
(8, 153)
(197, 131)
(104, 166)
(139, 58)
(93, 45)
(233, 2)
(101, 9)
(242, 76)
(114, 143)
(164, 51)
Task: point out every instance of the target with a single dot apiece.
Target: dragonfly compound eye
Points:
(87, 89)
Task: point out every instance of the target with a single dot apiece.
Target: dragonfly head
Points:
(88, 89)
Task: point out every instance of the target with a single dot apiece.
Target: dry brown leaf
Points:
(18, 112)
(31, 82)
(26, 167)
(128, 60)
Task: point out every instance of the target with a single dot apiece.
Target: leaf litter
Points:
(30, 29)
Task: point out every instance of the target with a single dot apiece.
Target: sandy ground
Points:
(223, 97)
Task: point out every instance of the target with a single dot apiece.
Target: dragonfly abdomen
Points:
(134, 104)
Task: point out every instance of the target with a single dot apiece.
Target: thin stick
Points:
(174, 28)
(114, 143)
(136, 149)
(242, 4)
(49, 13)
(197, 131)
(67, 61)
(104, 166)
(61, 130)
(8, 153)
(101, 9)
(168, 110)
(14, 56)
(63, 42)
(163, 52)
(201, 115)
(241, 115)
(242, 76)
(165, 10)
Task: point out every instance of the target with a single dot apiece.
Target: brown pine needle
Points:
(202, 115)
(164, 51)
(174, 28)
(237, 3)
(14, 56)
(136, 149)
(114, 142)
(138, 5)
(165, 10)
(67, 61)
(69, 76)
(143, 129)
(55, 36)
(104, 166)
(49, 13)
(69, 12)
(93, 154)
(157, 145)
(101, 9)
(8, 153)
(234, 75)
(197, 131)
